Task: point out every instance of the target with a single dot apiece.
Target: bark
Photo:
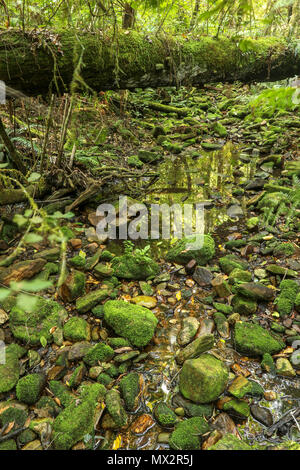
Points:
(34, 62)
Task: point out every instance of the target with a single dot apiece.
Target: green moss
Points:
(78, 261)
(230, 442)
(115, 408)
(239, 275)
(101, 352)
(164, 415)
(254, 340)
(227, 309)
(77, 420)
(268, 364)
(76, 329)
(297, 302)
(77, 376)
(286, 300)
(243, 305)
(29, 388)
(187, 434)
(134, 161)
(8, 445)
(13, 414)
(113, 371)
(284, 249)
(29, 327)
(48, 405)
(90, 300)
(10, 371)
(130, 267)
(104, 379)
(26, 436)
(74, 286)
(241, 387)
(116, 343)
(98, 311)
(135, 323)
(183, 250)
(60, 391)
(130, 389)
(230, 262)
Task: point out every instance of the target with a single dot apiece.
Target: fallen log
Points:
(32, 62)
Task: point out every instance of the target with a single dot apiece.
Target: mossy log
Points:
(33, 62)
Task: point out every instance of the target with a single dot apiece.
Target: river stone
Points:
(144, 301)
(202, 380)
(188, 330)
(254, 340)
(10, 370)
(3, 317)
(242, 386)
(256, 291)
(295, 358)
(230, 442)
(30, 327)
(135, 323)
(202, 276)
(129, 267)
(284, 367)
(202, 252)
(90, 300)
(22, 270)
(262, 414)
(198, 346)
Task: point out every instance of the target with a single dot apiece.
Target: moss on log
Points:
(31, 62)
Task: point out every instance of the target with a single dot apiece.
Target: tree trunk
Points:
(34, 62)
(128, 17)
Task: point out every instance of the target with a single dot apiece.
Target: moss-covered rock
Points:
(230, 442)
(184, 250)
(61, 392)
(243, 305)
(77, 420)
(254, 340)
(13, 414)
(165, 415)
(135, 323)
(30, 387)
(30, 327)
(90, 300)
(10, 370)
(202, 380)
(268, 363)
(224, 308)
(288, 293)
(284, 249)
(76, 329)
(256, 291)
(129, 266)
(195, 348)
(230, 262)
(115, 408)
(73, 287)
(8, 445)
(297, 302)
(241, 387)
(187, 434)
(239, 275)
(130, 389)
(101, 352)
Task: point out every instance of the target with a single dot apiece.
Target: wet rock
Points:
(77, 329)
(212, 439)
(165, 415)
(130, 389)
(3, 317)
(239, 275)
(286, 300)
(187, 434)
(268, 364)
(126, 356)
(253, 340)
(295, 359)
(188, 330)
(146, 288)
(284, 367)
(230, 262)
(102, 271)
(145, 301)
(207, 326)
(262, 414)
(77, 376)
(30, 327)
(101, 352)
(222, 325)
(163, 438)
(90, 300)
(241, 387)
(135, 323)
(202, 276)
(280, 270)
(189, 248)
(221, 287)
(238, 409)
(115, 408)
(202, 380)
(142, 424)
(243, 305)
(73, 287)
(78, 350)
(198, 346)
(270, 395)
(256, 291)
(22, 270)
(230, 442)
(191, 266)
(191, 409)
(225, 425)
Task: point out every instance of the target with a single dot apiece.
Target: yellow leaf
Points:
(117, 442)
(178, 295)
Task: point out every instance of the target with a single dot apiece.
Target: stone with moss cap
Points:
(230, 262)
(202, 380)
(287, 298)
(73, 287)
(184, 250)
(101, 352)
(242, 386)
(77, 419)
(135, 323)
(90, 300)
(165, 415)
(230, 442)
(76, 329)
(10, 370)
(254, 340)
(131, 267)
(30, 326)
(243, 305)
(30, 387)
(187, 434)
(130, 389)
(115, 407)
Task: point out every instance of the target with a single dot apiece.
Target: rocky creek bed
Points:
(167, 347)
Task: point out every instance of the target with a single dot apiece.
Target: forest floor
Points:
(155, 345)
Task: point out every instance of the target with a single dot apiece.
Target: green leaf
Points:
(26, 302)
(34, 177)
(32, 238)
(35, 285)
(43, 341)
(4, 293)
(20, 220)
(60, 215)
